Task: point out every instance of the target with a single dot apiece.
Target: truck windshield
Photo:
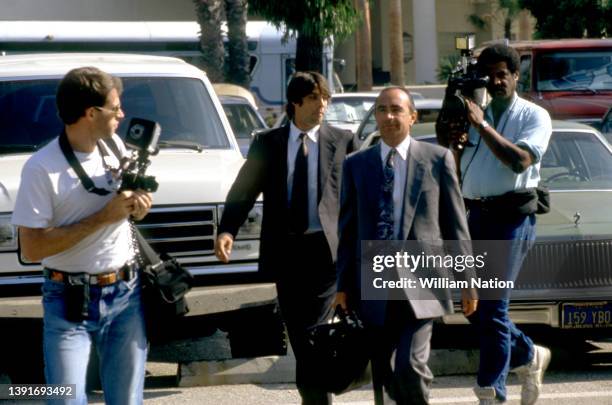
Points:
(575, 71)
(182, 106)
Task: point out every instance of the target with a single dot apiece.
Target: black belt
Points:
(127, 272)
(523, 202)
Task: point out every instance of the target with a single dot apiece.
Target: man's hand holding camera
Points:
(125, 203)
(474, 113)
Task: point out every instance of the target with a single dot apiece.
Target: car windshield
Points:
(243, 120)
(28, 115)
(347, 110)
(566, 71)
(576, 161)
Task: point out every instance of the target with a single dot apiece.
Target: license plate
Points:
(586, 315)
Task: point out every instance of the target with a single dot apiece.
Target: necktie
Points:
(384, 227)
(299, 193)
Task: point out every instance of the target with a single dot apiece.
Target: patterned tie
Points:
(298, 211)
(384, 227)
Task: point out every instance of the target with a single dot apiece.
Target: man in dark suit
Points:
(399, 189)
(298, 169)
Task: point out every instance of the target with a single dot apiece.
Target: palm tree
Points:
(363, 48)
(237, 66)
(396, 45)
(209, 14)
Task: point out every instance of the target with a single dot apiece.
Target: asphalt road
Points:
(573, 381)
(592, 387)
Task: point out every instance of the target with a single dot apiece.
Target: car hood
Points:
(573, 105)
(577, 215)
(210, 174)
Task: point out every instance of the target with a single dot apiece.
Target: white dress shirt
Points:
(312, 142)
(400, 168)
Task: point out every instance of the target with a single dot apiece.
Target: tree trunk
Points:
(508, 27)
(309, 53)
(363, 49)
(396, 42)
(209, 14)
(238, 56)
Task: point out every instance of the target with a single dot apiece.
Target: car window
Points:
(242, 120)
(576, 161)
(524, 83)
(347, 110)
(368, 125)
(28, 116)
(587, 70)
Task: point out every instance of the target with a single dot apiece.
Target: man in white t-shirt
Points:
(91, 292)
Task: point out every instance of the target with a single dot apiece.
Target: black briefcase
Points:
(340, 347)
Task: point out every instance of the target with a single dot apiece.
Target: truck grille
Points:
(181, 231)
(572, 264)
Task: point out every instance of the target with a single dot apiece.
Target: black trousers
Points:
(306, 287)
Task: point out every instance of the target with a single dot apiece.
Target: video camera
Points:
(464, 82)
(142, 137)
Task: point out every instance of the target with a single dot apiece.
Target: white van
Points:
(272, 55)
(195, 167)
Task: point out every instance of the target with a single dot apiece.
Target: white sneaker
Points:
(530, 375)
(486, 396)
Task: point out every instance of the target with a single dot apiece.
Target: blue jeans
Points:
(502, 345)
(116, 328)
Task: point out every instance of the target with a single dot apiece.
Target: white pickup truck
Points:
(197, 163)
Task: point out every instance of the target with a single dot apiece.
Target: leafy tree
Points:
(446, 66)
(571, 18)
(313, 20)
(511, 8)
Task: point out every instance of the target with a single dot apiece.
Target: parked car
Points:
(566, 281)
(427, 108)
(345, 110)
(571, 78)
(195, 167)
(244, 120)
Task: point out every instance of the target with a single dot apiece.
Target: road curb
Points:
(281, 369)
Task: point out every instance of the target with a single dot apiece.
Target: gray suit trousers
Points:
(401, 352)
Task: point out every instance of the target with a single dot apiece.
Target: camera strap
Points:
(86, 181)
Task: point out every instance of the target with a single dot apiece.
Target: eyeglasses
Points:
(115, 110)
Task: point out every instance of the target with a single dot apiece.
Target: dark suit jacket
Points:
(433, 211)
(265, 171)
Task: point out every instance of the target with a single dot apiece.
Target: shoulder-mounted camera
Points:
(464, 82)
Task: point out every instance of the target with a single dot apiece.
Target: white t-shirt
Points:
(51, 195)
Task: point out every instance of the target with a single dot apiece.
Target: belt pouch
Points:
(77, 300)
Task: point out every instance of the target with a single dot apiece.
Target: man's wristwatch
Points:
(484, 124)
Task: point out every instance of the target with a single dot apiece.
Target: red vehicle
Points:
(571, 78)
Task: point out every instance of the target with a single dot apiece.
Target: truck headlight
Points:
(8, 234)
(251, 229)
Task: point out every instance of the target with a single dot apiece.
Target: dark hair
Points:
(499, 53)
(301, 85)
(405, 90)
(82, 88)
